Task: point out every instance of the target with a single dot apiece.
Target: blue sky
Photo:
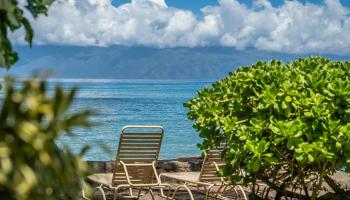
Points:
(196, 5)
(304, 26)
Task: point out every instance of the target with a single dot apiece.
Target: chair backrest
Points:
(209, 170)
(137, 145)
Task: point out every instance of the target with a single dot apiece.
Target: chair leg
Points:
(83, 195)
(186, 188)
(223, 188)
(99, 188)
(162, 192)
(244, 195)
(115, 192)
(130, 191)
(240, 189)
(139, 193)
(151, 192)
(237, 194)
(208, 192)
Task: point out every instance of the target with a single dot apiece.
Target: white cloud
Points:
(293, 27)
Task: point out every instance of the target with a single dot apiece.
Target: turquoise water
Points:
(123, 102)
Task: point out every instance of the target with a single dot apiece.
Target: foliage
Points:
(282, 123)
(12, 18)
(31, 165)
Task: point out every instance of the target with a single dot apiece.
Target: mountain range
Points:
(123, 62)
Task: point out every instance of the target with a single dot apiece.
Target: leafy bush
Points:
(12, 18)
(31, 165)
(286, 124)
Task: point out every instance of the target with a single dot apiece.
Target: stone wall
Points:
(173, 165)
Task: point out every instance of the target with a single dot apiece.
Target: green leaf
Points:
(310, 158)
(293, 143)
(29, 31)
(284, 105)
(338, 145)
(271, 160)
(288, 99)
(255, 166)
(12, 19)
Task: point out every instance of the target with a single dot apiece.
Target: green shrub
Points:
(283, 123)
(31, 165)
(12, 18)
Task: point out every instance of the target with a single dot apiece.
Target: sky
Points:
(290, 26)
(196, 5)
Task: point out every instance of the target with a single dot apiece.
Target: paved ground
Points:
(182, 195)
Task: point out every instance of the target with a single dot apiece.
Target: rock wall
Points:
(173, 165)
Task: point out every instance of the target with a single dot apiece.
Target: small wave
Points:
(79, 80)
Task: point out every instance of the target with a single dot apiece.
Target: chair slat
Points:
(138, 148)
(139, 145)
(142, 134)
(136, 156)
(140, 141)
(138, 153)
(142, 138)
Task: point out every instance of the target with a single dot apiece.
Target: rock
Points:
(172, 165)
(96, 166)
(109, 166)
(179, 165)
(194, 162)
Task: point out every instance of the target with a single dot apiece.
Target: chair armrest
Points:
(217, 169)
(126, 165)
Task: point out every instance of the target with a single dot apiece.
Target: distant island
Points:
(122, 62)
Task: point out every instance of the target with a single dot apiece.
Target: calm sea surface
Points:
(123, 102)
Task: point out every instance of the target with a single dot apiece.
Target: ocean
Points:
(128, 102)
